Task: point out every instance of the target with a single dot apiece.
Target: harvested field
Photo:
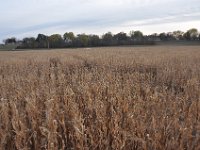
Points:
(101, 98)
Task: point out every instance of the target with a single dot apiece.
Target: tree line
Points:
(69, 39)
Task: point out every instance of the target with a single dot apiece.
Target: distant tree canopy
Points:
(10, 40)
(82, 40)
(192, 34)
(120, 38)
(42, 41)
(94, 40)
(178, 35)
(136, 35)
(69, 39)
(29, 42)
(168, 36)
(107, 39)
(56, 41)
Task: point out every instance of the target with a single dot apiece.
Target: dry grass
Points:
(102, 98)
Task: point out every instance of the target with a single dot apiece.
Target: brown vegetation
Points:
(101, 98)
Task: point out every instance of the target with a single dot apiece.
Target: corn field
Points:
(129, 98)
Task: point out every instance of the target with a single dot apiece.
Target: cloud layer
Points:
(27, 18)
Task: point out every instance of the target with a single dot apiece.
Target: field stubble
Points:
(101, 98)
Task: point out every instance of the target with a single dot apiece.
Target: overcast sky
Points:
(20, 18)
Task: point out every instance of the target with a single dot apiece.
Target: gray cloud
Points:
(27, 18)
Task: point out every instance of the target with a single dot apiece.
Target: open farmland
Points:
(101, 98)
